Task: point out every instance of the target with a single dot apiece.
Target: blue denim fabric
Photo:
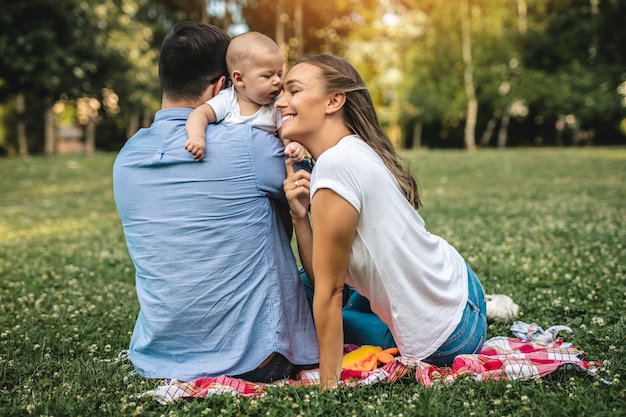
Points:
(362, 327)
(276, 369)
(469, 335)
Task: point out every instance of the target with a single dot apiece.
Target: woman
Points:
(364, 228)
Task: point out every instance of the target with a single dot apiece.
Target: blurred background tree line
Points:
(80, 75)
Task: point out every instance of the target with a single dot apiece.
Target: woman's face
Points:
(303, 103)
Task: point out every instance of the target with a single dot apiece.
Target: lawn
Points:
(545, 226)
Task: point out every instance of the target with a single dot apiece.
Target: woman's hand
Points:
(296, 187)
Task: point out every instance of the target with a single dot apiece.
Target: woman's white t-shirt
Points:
(416, 282)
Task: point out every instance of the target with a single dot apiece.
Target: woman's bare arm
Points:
(334, 227)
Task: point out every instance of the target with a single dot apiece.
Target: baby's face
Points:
(264, 78)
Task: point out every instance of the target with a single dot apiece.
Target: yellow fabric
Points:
(367, 358)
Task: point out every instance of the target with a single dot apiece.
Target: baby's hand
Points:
(196, 147)
(295, 151)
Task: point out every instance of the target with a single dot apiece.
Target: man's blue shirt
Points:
(216, 279)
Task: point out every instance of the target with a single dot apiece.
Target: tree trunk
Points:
(468, 78)
(504, 131)
(133, 124)
(576, 133)
(522, 23)
(137, 121)
(417, 133)
(593, 48)
(299, 35)
(50, 129)
(20, 110)
(146, 120)
(279, 30)
(204, 13)
(491, 125)
(90, 136)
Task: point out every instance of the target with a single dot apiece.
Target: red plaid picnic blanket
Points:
(502, 358)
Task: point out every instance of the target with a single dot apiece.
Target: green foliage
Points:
(324, 25)
(560, 34)
(569, 60)
(546, 226)
(562, 53)
(560, 58)
(70, 49)
(40, 44)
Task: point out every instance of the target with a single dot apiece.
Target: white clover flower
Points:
(597, 320)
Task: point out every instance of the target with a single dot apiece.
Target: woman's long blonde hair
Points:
(361, 119)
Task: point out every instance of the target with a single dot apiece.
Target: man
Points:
(217, 283)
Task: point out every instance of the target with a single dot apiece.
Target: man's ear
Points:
(237, 78)
(336, 102)
(213, 89)
(219, 85)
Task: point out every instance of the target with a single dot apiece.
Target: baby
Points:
(255, 65)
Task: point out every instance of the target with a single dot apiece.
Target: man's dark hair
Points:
(193, 56)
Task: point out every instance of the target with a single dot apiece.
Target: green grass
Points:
(546, 226)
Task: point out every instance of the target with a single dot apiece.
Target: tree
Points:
(461, 70)
(468, 77)
(435, 89)
(378, 49)
(307, 27)
(96, 59)
(571, 63)
(49, 50)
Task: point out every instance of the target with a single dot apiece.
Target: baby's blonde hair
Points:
(243, 48)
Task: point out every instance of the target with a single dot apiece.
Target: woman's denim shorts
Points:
(469, 335)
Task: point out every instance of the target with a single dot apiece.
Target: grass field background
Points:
(545, 226)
